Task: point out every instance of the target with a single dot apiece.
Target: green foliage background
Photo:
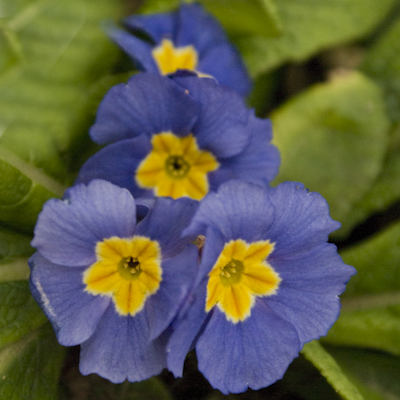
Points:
(328, 75)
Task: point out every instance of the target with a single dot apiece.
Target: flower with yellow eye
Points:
(268, 283)
(179, 136)
(188, 38)
(111, 273)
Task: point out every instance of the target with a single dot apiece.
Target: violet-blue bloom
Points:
(268, 283)
(188, 38)
(178, 136)
(110, 274)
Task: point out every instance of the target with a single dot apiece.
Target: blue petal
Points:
(139, 50)
(260, 160)
(177, 278)
(120, 349)
(61, 294)
(157, 26)
(68, 230)
(302, 220)
(308, 294)
(185, 330)
(198, 28)
(213, 247)
(224, 63)
(250, 354)
(165, 223)
(238, 210)
(117, 164)
(148, 104)
(221, 126)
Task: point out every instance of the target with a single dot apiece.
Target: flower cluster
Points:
(118, 269)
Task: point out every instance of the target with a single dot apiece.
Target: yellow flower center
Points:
(170, 58)
(240, 274)
(127, 270)
(176, 167)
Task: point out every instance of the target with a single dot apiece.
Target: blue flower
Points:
(190, 39)
(267, 284)
(110, 274)
(179, 136)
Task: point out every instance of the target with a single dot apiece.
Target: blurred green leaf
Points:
(375, 374)
(238, 17)
(101, 389)
(382, 63)
(14, 252)
(333, 138)
(370, 314)
(310, 26)
(384, 192)
(328, 367)
(30, 368)
(58, 51)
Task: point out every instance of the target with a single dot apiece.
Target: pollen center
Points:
(176, 167)
(169, 58)
(231, 272)
(127, 270)
(240, 274)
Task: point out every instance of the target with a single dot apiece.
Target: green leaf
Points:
(151, 389)
(333, 138)
(30, 368)
(315, 353)
(384, 192)
(19, 312)
(370, 314)
(237, 16)
(58, 51)
(382, 63)
(30, 356)
(375, 374)
(310, 26)
(14, 252)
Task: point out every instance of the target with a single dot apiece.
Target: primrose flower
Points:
(110, 274)
(178, 136)
(267, 284)
(189, 38)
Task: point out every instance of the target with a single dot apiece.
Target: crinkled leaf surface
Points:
(370, 314)
(52, 51)
(30, 368)
(315, 353)
(19, 313)
(333, 138)
(310, 26)
(29, 353)
(375, 374)
(259, 17)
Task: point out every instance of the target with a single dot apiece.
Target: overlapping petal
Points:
(67, 230)
(148, 104)
(120, 349)
(191, 26)
(252, 354)
(61, 294)
(235, 211)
